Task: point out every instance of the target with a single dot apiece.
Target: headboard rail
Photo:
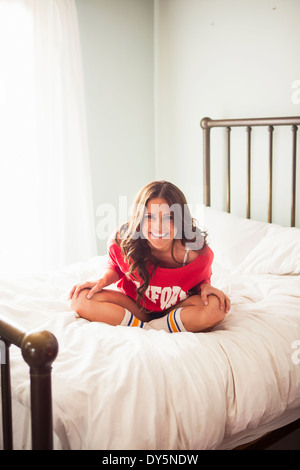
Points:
(207, 124)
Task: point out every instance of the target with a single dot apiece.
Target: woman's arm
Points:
(109, 277)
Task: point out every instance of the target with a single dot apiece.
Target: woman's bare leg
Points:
(107, 306)
(196, 316)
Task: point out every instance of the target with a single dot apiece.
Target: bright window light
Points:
(19, 246)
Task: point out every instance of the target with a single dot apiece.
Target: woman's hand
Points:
(94, 287)
(207, 289)
(109, 277)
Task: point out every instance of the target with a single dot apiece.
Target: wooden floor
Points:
(286, 438)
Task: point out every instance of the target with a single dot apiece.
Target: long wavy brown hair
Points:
(135, 247)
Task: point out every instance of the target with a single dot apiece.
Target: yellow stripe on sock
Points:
(136, 322)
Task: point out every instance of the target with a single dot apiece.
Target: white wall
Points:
(224, 59)
(118, 61)
(217, 58)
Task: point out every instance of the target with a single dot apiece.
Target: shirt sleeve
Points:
(207, 281)
(114, 258)
(208, 273)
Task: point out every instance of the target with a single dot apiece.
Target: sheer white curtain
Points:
(46, 210)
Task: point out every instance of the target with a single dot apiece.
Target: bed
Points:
(118, 388)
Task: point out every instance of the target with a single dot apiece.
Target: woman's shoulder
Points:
(113, 241)
(205, 254)
(206, 251)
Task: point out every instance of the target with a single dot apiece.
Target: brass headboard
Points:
(207, 124)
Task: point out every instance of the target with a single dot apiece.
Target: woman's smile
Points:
(160, 235)
(158, 223)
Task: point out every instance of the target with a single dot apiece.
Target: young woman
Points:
(162, 264)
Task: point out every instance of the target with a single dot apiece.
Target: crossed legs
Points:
(109, 306)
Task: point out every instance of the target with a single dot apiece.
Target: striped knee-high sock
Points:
(171, 323)
(130, 320)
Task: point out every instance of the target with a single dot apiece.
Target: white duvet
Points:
(127, 388)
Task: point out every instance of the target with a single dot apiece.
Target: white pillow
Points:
(277, 253)
(231, 237)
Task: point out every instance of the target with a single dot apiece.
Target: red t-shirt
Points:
(167, 286)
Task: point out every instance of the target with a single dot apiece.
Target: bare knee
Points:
(199, 317)
(79, 304)
(214, 314)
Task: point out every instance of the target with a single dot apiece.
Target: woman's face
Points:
(158, 224)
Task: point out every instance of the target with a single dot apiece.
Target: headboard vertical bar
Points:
(228, 129)
(270, 197)
(294, 154)
(206, 160)
(248, 130)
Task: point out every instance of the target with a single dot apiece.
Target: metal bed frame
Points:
(207, 124)
(39, 349)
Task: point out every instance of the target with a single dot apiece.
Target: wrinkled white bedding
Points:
(127, 388)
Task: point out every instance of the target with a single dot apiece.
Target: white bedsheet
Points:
(127, 388)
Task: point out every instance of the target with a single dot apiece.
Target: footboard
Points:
(39, 350)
